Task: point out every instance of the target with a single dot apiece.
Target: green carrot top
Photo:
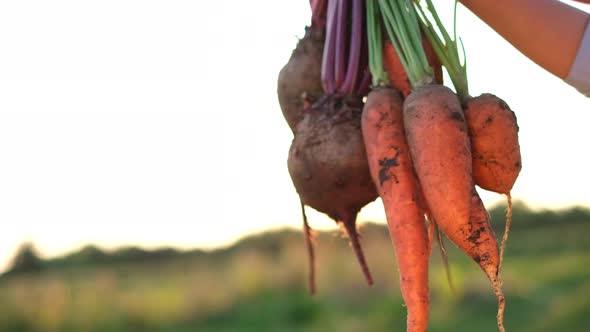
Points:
(446, 48)
(403, 28)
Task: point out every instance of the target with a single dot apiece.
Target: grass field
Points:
(260, 285)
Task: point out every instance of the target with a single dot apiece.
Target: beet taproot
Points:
(328, 165)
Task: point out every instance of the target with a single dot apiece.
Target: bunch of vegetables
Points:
(415, 143)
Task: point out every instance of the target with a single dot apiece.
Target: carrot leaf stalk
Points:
(374, 37)
(403, 29)
(446, 48)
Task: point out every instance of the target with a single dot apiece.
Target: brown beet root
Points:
(299, 83)
(328, 165)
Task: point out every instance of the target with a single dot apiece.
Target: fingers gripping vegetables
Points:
(392, 172)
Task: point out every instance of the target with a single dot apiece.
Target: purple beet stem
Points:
(337, 76)
(364, 74)
(365, 83)
(329, 50)
(355, 47)
(318, 13)
(341, 23)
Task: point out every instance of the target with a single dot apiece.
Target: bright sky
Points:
(156, 123)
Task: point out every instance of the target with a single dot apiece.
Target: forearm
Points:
(546, 31)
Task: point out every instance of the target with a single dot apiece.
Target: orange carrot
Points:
(494, 143)
(441, 153)
(433, 60)
(398, 77)
(391, 169)
(495, 149)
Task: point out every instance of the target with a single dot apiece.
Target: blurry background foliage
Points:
(259, 284)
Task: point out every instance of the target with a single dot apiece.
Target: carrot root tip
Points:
(501, 307)
(506, 232)
(496, 285)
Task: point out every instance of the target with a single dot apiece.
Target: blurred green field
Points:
(259, 284)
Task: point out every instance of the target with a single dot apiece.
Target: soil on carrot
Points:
(385, 165)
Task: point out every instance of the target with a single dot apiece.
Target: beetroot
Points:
(328, 165)
(327, 160)
(299, 83)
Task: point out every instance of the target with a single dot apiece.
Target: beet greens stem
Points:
(365, 83)
(364, 74)
(329, 50)
(341, 41)
(354, 55)
(318, 12)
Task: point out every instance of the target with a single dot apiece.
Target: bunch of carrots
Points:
(428, 147)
